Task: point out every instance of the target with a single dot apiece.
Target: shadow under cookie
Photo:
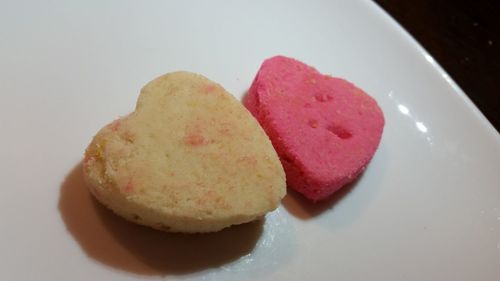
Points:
(302, 208)
(118, 243)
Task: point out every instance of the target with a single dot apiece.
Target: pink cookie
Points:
(324, 129)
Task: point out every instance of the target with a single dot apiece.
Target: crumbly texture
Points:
(190, 158)
(325, 129)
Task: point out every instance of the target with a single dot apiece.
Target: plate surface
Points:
(427, 207)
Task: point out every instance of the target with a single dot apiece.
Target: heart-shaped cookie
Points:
(190, 158)
(324, 129)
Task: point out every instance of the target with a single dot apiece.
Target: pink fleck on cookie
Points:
(115, 125)
(195, 139)
(210, 88)
(248, 160)
(325, 129)
(129, 187)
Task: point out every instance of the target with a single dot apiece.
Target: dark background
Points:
(464, 38)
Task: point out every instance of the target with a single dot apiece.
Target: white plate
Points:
(427, 208)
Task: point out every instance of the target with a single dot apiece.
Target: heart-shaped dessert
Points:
(324, 129)
(190, 158)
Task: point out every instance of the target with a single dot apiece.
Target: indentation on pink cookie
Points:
(339, 131)
(322, 97)
(313, 123)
